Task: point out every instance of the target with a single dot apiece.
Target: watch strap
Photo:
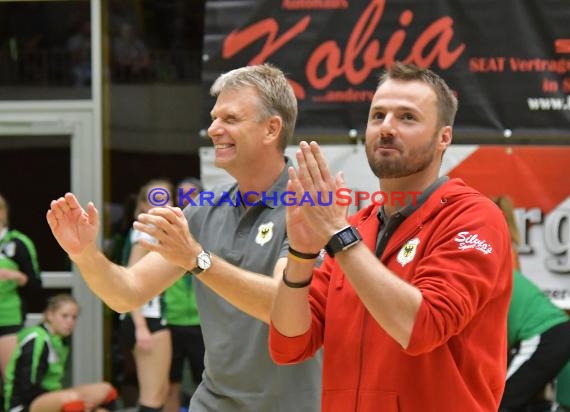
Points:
(343, 239)
(196, 271)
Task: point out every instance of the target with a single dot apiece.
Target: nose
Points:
(387, 125)
(215, 128)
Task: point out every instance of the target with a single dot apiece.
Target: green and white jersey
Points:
(36, 366)
(531, 312)
(17, 252)
(180, 303)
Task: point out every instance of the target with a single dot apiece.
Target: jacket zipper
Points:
(365, 319)
(361, 360)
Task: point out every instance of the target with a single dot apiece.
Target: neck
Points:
(261, 176)
(48, 327)
(405, 190)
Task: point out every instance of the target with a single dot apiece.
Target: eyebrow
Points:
(396, 108)
(227, 114)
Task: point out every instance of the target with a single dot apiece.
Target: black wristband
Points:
(296, 285)
(301, 255)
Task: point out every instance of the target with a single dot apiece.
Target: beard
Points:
(406, 164)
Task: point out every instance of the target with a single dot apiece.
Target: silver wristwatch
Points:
(203, 262)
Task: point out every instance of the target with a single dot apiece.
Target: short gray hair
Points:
(275, 92)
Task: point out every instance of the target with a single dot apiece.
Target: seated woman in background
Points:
(37, 367)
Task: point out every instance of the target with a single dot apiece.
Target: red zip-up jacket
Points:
(456, 250)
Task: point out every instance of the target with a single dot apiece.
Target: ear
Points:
(48, 316)
(445, 137)
(273, 129)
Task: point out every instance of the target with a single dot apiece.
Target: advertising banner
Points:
(508, 61)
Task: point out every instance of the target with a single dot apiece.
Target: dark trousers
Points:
(187, 344)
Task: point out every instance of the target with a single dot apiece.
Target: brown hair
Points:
(505, 203)
(56, 301)
(446, 100)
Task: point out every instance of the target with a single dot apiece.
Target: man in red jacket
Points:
(410, 302)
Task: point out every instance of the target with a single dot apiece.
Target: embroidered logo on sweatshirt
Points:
(264, 233)
(408, 251)
(466, 240)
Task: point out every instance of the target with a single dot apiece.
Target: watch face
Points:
(204, 260)
(347, 236)
(342, 240)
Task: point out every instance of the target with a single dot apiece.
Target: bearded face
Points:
(403, 136)
(389, 159)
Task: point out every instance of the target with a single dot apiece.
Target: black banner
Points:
(508, 61)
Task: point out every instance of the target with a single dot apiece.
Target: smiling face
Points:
(62, 318)
(402, 135)
(238, 130)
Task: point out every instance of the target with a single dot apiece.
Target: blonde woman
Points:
(36, 369)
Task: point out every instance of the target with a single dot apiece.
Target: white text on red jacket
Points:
(467, 240)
